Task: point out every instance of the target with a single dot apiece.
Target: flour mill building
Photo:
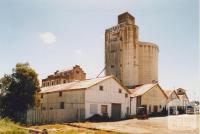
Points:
(64, 76)
(131, 81)
(133, 62)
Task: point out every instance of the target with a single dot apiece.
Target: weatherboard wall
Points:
(110, 94)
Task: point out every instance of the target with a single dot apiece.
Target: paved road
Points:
(181, 124)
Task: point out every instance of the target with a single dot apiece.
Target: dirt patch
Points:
(156, 125)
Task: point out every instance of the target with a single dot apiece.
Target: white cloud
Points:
(48, 37)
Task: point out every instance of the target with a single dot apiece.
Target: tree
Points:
(19, 92)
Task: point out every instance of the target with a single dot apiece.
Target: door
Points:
(104, 110)
(155, 109)
(116, 111)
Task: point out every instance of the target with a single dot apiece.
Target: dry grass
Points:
(66, 129)
(8, 127)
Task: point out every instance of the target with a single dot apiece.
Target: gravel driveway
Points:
(180, 124)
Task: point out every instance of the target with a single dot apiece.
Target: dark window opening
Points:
(62, 105)
(60, 94)
(101, 88)
(126, 95)
(43, 84)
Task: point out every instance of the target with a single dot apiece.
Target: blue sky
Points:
(57, 34)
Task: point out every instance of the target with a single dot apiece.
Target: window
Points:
(104, 109)
(112, 66)
(41, 96)
(60, 94)
(62, 105)
(101, 88)
(93, 108)
(126, 95)
(43, 84)
(42, 107)
(120, 91)
(173, 96)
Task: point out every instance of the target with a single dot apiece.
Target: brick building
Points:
(64, 76)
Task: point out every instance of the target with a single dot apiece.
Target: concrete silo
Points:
(131, 61)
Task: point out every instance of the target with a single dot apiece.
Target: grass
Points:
(8, 127)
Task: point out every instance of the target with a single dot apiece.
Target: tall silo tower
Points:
(121, 50)
(148, 62)
(133, 62)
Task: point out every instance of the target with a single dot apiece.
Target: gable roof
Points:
(77, 85)
(182, 94)
(141, 90)
(168, 92)
(181, 97)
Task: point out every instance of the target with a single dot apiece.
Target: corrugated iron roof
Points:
(183, 97)
(168, 92)
(74, 85)
(140, 90)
